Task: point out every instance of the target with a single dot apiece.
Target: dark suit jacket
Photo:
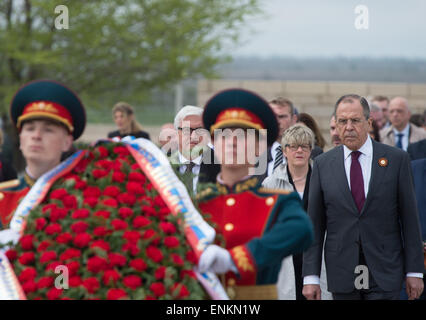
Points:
(139, 134)
(417, 150)
(419, 174)
(387, 227)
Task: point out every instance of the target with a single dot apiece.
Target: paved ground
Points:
(94, 132)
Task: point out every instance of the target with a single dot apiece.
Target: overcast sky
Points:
(308, 28)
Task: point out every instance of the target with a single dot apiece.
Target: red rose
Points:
(81, 166)
(158, 289)
(138, 264)
(117, 259)
(70, 202)
(140, 222)
(100, 244)
(27, 242)
(81, 240)
(102, 213)
(110, 203)
(103, 152)
(26, 258)
(126, 199)
(43, 245)
(98, 173)
(171, 242)
(160, 273)
(52, 266)
(53, 228)
(44, 282)
(118, 176)
(188, 273)
(137, 176)
(11, 255)
(116, 294)
(154, 254)
(54, 294)
(117, 165)
(74, 281)
(167, 227)
(91, 284)
(27, 274)
(58, 194)
(119, 224)
(112, 191)
(80, 214)
(70, 254)
(132, 282)
(148, 211)
(80, 185)
(91, 201)
(104, 164)
(132, 247)
(177, 259)
(148, 234)
(92, 192)
(131, 236)
(40, 223)
(110, 277)
(100, 231)
(191, 257)
(96, 264)
(163, 212)
(159, 202)
(79, 227)
(64, 238)
(180, 290)
(57, 214)
(134, 188)
(48, 207)
(48, 256)
(125, 212)
(73, 267)
(121, 150)
(29, 286)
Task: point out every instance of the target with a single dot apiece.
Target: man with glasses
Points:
(194, 158)
(361, 194)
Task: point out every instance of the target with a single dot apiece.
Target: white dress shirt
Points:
(405, 137)
(365, 160)
(195, 169)
(274, 147)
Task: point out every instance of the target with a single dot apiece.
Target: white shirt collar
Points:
(405, 131)
(184, 160)
(366, 149)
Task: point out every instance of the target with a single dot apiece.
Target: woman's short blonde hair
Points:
(298, 134)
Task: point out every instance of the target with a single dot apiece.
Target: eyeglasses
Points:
(295, 147)
(344, 122)
(189, 130)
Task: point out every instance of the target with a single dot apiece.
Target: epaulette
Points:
(9, 184)
(277, 191)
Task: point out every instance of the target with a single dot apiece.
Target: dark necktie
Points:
(399, 142)
(278, 157)
(188, 173)
(357, 182)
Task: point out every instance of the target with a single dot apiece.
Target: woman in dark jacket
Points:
(124, 118)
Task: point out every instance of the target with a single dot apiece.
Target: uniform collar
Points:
(246, 183)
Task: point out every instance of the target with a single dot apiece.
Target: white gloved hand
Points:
(216, 259)
(9, 235)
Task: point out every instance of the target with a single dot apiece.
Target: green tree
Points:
(116, 47)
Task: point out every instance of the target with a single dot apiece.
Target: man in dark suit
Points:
(361, 194)
(417, 150)
(194, 158)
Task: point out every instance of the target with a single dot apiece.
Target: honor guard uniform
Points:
(260, 226)
(39, 100)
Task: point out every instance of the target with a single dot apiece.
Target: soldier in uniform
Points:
(260, 226)
(49, 117)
